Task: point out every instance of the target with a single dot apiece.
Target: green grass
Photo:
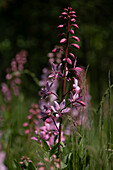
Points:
(89, 147)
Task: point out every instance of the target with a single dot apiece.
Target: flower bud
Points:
(63, 40)
(74, 16)
(75, 45)
(64, 13)
(61, 17)
(69, 61)
(72, 55)
(76, 38)
(75, 25)
(71, 31)
(59, 35)
(65, 9)
(56, 50)
(73, 20)
(69, 8)
(60, 26)
(72, 12)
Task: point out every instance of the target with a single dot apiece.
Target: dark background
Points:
(31, 25)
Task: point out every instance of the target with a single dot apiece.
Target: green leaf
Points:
(17, 165)
(42, 149)
(54, 149)
(63, 165)
(31, 166)
(26, 163)
(45, 145)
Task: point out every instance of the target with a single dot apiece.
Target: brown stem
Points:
(63, 94)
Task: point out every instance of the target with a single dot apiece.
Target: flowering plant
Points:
(54, 111)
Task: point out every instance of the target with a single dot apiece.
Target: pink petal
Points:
(57, 107)
(54, 110)
(82, 103)
(78, 69)
(34, 138)
(62, 104)
(66, 110)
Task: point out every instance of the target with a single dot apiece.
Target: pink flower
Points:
(60, 108)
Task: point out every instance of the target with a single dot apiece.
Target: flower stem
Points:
(63, 93)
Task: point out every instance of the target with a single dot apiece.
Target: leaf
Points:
(42, 149)
(31, 166)
(17, 165)
(53, 150)
(45, 145)
(81, 148)
(63, 165)
(26, 163)
(62, 144)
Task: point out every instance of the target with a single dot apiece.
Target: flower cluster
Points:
(54, 163)
(54, 110)
(32, 123)
(24, 159)
(13, 75)
(48, 132)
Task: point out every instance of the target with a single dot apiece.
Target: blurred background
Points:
(31, 25)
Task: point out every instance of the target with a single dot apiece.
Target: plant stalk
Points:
(63, 93)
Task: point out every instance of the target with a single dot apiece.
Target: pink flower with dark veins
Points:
(56, 71)
(46, 90)
(60, 109)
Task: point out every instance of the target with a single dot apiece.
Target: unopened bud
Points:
(75, 45)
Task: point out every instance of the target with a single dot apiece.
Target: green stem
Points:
(32, 75)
